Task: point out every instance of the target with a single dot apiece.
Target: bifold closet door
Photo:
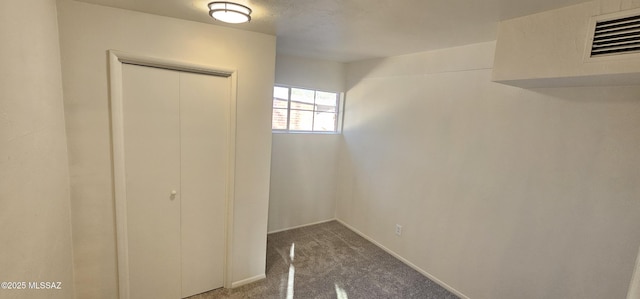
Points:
(204, 123)
(151, 110)
(176, 163)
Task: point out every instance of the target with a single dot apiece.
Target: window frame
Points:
(338, 112)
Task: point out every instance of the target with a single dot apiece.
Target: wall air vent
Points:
(616, 36)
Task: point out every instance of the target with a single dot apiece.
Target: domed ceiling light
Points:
(229, 12)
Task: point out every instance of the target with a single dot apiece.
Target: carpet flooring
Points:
(330, 261)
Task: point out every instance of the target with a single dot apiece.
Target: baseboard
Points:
(247, 281)
(300, 226)
(405, 261)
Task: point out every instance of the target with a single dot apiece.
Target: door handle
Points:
(173, 194)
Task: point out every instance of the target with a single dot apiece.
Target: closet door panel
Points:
(204, 121)
(152, 170)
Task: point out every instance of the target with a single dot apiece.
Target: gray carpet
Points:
(331, 261)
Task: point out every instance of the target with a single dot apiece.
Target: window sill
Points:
(306, 132)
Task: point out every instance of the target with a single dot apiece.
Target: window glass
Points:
(301, 105)
(325, 122)
(279, 120)
(304, 110)
(281, 93)
(302, 95)
(326, 98)
(301, 120)
(277, 103)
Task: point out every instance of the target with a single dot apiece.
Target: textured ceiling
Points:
(348, 30)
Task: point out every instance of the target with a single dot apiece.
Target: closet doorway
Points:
(173, 153)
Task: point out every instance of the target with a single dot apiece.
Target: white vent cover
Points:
(616, 36)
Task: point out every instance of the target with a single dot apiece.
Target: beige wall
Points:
(87, 32)
(502, 192)
(304, 167)
(548, 49)
(35, 221)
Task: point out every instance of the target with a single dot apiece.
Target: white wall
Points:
(548, 49)
(304, 174)
(35, 221)
(502, 192)
(310, 73)
(304, 166)
(87, 32)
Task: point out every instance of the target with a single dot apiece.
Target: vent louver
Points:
(617, 36)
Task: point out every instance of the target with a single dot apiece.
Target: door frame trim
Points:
(116, 59)
(634, 285)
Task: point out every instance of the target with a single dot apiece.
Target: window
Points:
(304, 110)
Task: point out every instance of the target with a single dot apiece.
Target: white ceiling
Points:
(348, 30)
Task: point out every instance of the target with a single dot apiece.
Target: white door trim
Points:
(634, 285)
(116, 59)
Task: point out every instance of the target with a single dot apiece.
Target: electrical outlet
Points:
(398, 229)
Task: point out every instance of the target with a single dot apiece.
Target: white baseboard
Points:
(408, 263)
(247, 281)
(299, 226)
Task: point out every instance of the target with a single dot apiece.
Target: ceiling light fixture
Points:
(229, 12)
